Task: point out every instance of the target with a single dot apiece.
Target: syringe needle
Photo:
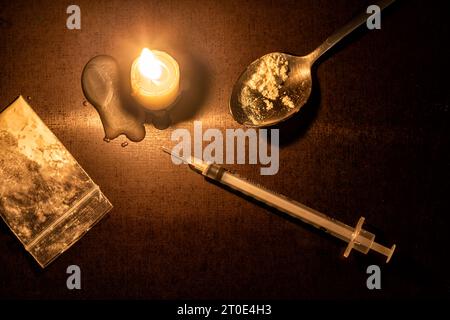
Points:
(166, 150)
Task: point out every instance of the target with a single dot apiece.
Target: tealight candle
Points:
(155, 79)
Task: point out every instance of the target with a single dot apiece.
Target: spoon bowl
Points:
(261, 111)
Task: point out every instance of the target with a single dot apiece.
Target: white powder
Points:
(269, 104)
(270, 74)
(288, 102)
(262, 91)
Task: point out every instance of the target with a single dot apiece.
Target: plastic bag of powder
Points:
(46, 198)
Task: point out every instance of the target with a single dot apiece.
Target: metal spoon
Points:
(255, 104)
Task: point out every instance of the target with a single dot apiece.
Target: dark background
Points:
(373, 141)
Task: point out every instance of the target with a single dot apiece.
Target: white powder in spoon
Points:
(270, 74)
(263, 87)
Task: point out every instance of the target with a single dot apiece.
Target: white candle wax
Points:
(155, 79)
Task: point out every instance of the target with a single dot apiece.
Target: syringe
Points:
(357, 238)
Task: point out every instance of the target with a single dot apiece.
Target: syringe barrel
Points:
(357, 238)
(280, 202)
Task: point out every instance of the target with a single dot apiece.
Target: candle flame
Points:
(149, 65)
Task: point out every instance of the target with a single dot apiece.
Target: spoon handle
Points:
(344, 31)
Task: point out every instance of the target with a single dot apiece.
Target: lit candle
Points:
(155, 79)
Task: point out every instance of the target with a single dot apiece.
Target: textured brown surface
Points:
(373, 141)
